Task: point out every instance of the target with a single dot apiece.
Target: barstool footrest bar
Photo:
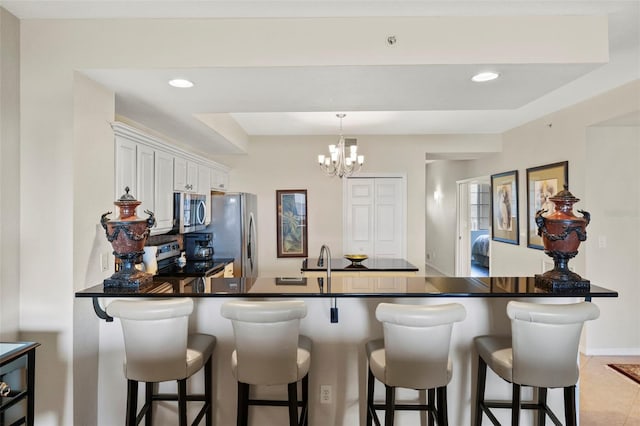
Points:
(485, 405)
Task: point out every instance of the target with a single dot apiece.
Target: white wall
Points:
(612, 249)
(9, 175)
(441, 214)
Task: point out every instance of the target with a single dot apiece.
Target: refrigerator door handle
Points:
(250, 239)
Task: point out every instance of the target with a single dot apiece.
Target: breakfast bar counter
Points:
(339, 287)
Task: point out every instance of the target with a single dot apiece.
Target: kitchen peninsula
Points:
(338, 351)
(370, 267)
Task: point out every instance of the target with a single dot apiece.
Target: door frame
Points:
(345, 203)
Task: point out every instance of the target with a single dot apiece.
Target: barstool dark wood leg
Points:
(208, 392)
(570, 406)
(515, 405)
(182, 402)
(132, 402)
(243, 404)
(480, 385)
(305, 401)
(390, 405)
(542, 402)
(371, 382)
(148, 402)
(431, 402)
(292, 391)
(443, 418)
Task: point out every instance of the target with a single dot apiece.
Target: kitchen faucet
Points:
(325, 250)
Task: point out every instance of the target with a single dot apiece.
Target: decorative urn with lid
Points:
(562, 232)
(127, 235)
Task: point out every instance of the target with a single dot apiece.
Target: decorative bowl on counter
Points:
(356, 258)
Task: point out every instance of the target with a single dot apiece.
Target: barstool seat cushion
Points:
(377, 361)
(303, 361)
(497, 352)
(199, 348)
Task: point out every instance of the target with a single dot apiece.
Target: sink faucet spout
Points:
(324, 250)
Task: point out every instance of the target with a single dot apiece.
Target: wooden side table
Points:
(15, 356)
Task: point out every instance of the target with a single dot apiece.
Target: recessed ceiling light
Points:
(485, 76)
(181, 83)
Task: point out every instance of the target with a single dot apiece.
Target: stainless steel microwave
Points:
(189, 212)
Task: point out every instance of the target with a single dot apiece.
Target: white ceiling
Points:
(378, 98)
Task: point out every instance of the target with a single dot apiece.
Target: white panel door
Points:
(375, 217)
(358, 230)
(389, 218)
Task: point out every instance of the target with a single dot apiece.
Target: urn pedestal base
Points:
(561, 283)
(134, 281)
(560, 277)
(128, 276)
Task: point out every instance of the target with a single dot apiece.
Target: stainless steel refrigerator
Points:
(233, 225)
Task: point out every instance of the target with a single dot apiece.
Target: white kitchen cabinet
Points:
(185, 175)
(163, 192)
(125, 167)
(219, 179)
(154, 169)
(145, 177)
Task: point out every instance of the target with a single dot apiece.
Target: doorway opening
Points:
(474, 209)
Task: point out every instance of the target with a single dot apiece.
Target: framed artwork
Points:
(504, 207)
(543, 182)
(291, 213)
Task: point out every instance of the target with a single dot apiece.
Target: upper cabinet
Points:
(154, 170)
(185, 176)
(219, 179)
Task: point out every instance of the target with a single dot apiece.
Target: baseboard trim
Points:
(612, 352)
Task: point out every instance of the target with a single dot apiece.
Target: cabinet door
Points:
(163, 191)
(125, 158)
(179, 174)
(145, 179)
(192, 177)
(219, 180)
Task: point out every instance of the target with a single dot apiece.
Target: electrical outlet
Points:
(325, 394)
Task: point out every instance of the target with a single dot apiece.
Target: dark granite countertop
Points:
(195, 268)
(371, 264)
(506, 287)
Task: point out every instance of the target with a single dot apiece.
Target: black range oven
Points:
(194, 275)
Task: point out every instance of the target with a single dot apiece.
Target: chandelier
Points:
(338, 162)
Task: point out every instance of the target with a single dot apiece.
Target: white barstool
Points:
(542, 352)
(414, 354)
(158, 348)
(270, 351)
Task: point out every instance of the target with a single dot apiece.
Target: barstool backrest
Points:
(155, 337)
(266, 337)
(545, 341)
(416, 341)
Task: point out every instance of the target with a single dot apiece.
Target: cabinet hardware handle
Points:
(5, 390)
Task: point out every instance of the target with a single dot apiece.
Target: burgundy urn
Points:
(562, 232)
(127, 235)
